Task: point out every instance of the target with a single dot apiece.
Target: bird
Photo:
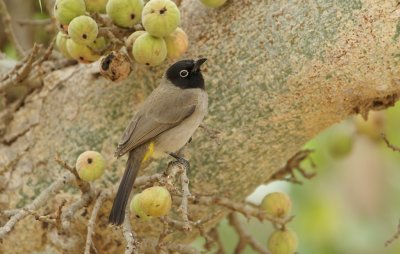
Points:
(164, 123)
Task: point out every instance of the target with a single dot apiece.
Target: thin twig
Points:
(287, 172)
(182, 249)
(183, 208)
(90, 226)
(129, 235)
(20, 72)
(242, 208)
(83, 186)
(9, 32)
(43, 218)
(245, 238)
(393, 147)
(40, 201)
(394, 237)
(166, 231)
(33, 22)
(215, 236)
(69, 212)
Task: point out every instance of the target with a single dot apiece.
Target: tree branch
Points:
(245, 238)
(8, 28)
(90, 227)
(36, 204)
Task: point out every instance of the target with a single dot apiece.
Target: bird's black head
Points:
(186, 74)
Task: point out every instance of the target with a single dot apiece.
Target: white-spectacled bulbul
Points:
(163, 123)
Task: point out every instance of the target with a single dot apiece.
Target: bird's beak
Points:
(197, 64)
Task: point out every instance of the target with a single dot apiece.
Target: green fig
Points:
(160, 17)
(149, 50)
(177, 43)
(61, 43)
(80, 52)
(67, 10)
(132, 38)
(99, 45)
(83, 30)
(125, 13)
(277, 204)
(213, 3)
(283, 242)
(340, 144)
(90, 165)
(96, 5)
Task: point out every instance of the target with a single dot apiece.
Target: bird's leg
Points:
(181, 160)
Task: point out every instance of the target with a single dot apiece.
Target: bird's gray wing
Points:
(164, 109)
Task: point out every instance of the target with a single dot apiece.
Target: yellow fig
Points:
(125, 13)
(61, 43)
(213, 3)
(160, 17)
(80, 52)
(83, 30)
(90, 165)
(283, 242)
(137, 209)
(277, 204)
(149, 50)
(155, 201)
(177, 43)
(67, 10)
(96, 5)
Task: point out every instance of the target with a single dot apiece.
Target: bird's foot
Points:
(181, 160)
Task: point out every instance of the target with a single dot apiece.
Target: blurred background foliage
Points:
(350, 207)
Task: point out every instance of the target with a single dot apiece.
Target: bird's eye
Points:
(183, 73)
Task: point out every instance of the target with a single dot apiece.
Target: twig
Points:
(40, 201)
(20, 72)
(393, 147)
(68, 213)
(293, 164)
(129, 234)
(183, 208)
(242, 208)
(90, 226)
(245, 238)
(33, 22)
(215, 236)
(166, 231)
(42, 218)
(143, 180)
(83, 186)
(8, 28)
(46, 54)
(182, 249)
(394, 237)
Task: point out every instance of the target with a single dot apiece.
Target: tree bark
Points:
(278, 73)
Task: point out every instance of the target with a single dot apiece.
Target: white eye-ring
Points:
(183, 73)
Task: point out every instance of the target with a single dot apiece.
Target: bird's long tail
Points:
(133, 164)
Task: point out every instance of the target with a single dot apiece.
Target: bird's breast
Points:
(175, 138)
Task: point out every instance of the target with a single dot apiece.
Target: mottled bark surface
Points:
(278, 73)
